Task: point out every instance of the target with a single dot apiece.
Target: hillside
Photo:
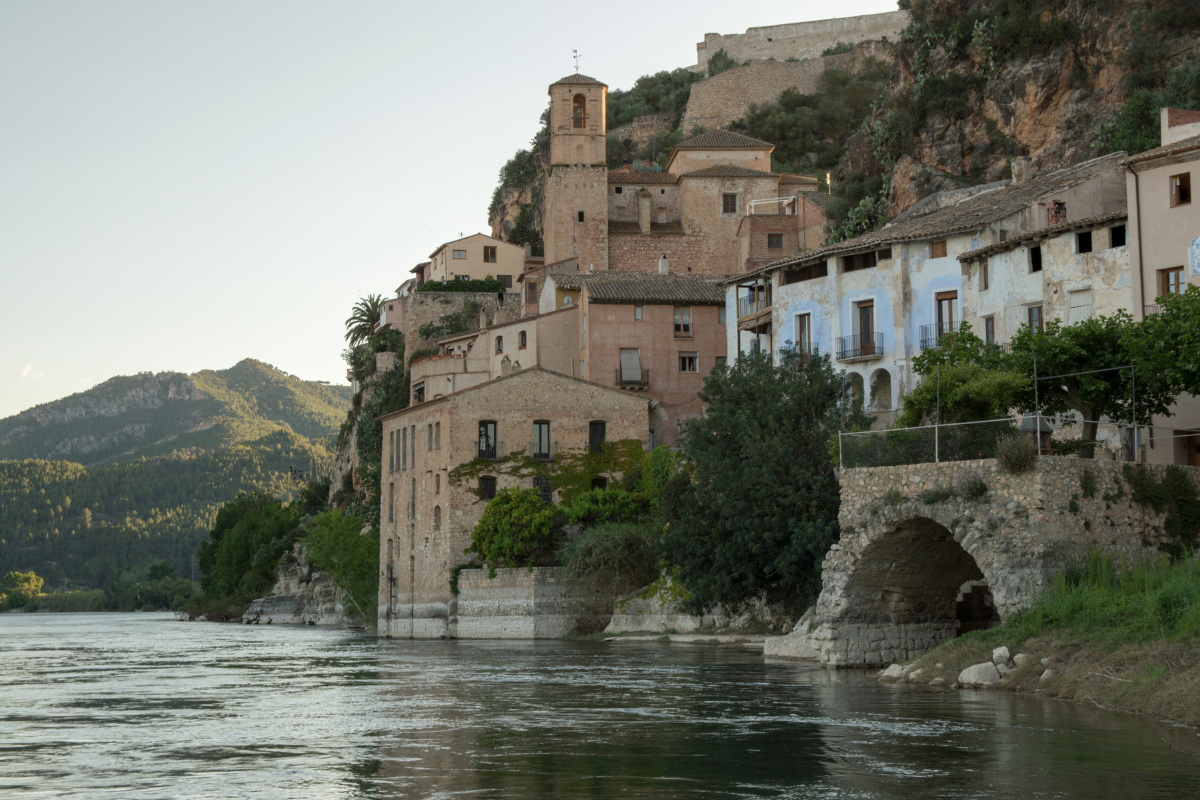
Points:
(157, 414)
(134, 469)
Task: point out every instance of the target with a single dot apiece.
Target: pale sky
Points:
(184, 185)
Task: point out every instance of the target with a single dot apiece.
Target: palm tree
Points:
(363, 319)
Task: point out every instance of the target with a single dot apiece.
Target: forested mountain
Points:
(133, 470)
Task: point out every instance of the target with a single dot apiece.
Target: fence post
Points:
(936, 453)
(841, 453)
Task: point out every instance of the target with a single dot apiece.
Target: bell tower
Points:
(575, 222)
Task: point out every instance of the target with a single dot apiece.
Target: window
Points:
(600, 482)
(858, 261)
(487, 487)
(721, 315)
(595, 437)
(1079, 306)
(866, 319)
(729, 204)
(437, 436)
(1056, 213)
(1116, 236)
(391, 451)
(945, 312)
(688, 362)
(419, 392)
(489, 254)
(412, 440)
(775, 241)
(437, 483)
(631, 365)
(804, 334)
(639, 313)
(460, 254)
(1181, 189)
(487, 439)
(540, 446)
(505, 281)
(720, 360)
(617, 190)
(989, 330)
(683, 323)
(1035, 259)
(1083, 242)
(412, 500)
(543, 487)
(391, 502)
(1003, 235)
(429, 430)
(984, 277)
(1170, 281)
(437, 518)
(522, 341)
(404, 448)
(579, 111)
(580, 215)
(1035, 317)
(808, 273)
(531, 295)
(499, 344)
(884, 255)
(462, 277)
(938, 249)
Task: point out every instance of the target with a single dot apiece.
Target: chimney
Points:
(1177, 124)
(662, 265)
(643, 211)
(501, 315)
(1022, 169)
(528, 251)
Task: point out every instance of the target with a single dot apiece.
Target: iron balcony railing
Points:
(490, 451)
(859, 346)
(639, 379)
(543, 455)
(1151, 310)
(753, 305)
(932, 335)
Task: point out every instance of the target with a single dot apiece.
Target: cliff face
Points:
(505, 214)
(300, 596)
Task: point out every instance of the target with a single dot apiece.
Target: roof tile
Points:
(728, 171)
(723, 140)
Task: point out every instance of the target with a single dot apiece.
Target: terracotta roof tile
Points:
(619, 286)
(1042, 233)
(728, 171)
(628, 177)
(1183, 145)
(723, 140)
(788, 179)
(580, 80)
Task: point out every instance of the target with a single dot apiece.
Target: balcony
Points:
(933, 335)
(1151, 310)
(490, 450)
(632, 379)
(753, 305)
(858, 347)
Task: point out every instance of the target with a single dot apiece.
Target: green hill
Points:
(134, 469)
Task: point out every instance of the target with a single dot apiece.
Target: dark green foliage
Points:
(974, 383)
(489, 285)
(1165, 345)
(461, 321)
(337, 546)
(761, 508)
(1073, 505)
(148, 587)
(719, 62)
(660, 93)
(1015, 28)
(18, 588)
(598, 506)
(800, 124)
(363, 318)
(936, 495)
(249, 535)
(612, 559)
(516, 530)
(1136, 127)
(1087, 482)
(524, 232)
(859, 206)
(519, 172)
(1016, 454)
(892, 497)
(838, 49)
(674, 495)
(390, 394)
(1177, 494)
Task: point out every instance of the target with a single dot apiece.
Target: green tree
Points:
(337, 546)
(363, 318)
(760, 510)
(517, 529)
(18, 588)
(1166, 346)
(969, 376)
(249, 535)
(719, 62)
(524, 232)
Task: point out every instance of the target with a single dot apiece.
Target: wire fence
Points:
(962, 441)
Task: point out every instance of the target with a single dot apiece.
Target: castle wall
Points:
(424, 307)
(641, 129)
(802, 39)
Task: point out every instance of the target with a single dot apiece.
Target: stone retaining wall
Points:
(521, 604)
(424, 307)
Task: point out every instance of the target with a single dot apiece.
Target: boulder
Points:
(1021, 659)
(1003, 669)
(202, 618)
(915, 675)
(1000, 655)
(892, 673)
(984, 674)
(939, 681)
(1048, 674)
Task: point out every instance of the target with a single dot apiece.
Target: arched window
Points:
(404, 448)
(437, 436)
(412, 501)
(579, 111)
(521, 340)
(437, 518)
(391, 502)
(499, 344)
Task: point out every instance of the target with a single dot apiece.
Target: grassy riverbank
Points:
(1126, 639)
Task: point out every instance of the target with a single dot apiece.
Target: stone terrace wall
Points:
(522, 604)
(803, 39)
(640, 253)
(718, 101)
(641, 129)
(426, 307)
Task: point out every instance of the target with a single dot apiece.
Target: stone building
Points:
(428, 509)
(476, 257)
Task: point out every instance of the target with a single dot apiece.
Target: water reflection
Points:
(140, 706)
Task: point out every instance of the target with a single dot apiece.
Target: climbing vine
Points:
(570, 473)
(1177, 494)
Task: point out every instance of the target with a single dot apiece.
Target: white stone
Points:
(1003, 669)
(915, 675)
(1048, 674)
(938, 682)
(1021, 659)
(202, 618)
(984, 674)
(939, 665)
(1000, 655)
(906, 670)
(892, 673)
(1045, 662)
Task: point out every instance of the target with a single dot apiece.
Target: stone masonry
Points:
(801, 39)
(426, 307)
(892, 586)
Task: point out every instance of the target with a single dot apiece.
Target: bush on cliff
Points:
(516, 530)
(337, 546)
(249, 535)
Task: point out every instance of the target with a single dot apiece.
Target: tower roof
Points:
(579, 80)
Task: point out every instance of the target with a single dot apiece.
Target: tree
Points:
(249, 535)
(18, 588)
(1166, 346)
(363, 318)
(517, 529)
(337, 546)
(964, 381)
(760, 509)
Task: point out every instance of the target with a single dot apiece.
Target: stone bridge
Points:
(920, 561)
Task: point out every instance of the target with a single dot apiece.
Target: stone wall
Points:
(641, 129)
(802, 39)
(640, 253)
(427, 307)
(891, 583)
(718, 101)
(522, 604)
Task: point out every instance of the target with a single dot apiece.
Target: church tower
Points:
(575, 221)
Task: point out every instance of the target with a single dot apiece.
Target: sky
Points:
(184, 185)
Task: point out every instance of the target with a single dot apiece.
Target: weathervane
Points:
(576, 57)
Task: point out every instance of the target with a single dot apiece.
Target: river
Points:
(141, 706)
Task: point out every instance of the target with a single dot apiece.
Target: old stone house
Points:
(428, 508)
(476, 257)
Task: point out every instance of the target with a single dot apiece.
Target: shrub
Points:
(18, 588)
(936, 495)
(484, 285)
(249, 535)
(607, 505)
(657, 468)
(337, 546)
(517, 529)
(971, 486)
(612, 559)
(719, 62)
(837, 49)
(893, 497)
(1016, 454)
(1087, 482)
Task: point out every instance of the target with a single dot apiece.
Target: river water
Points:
(141, 706)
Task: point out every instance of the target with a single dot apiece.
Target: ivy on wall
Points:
(570, 473)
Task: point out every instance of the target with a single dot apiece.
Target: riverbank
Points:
(1117, 638)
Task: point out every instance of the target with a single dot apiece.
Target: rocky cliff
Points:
(300, 596)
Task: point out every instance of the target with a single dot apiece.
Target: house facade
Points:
(428, 509)
(476, 257)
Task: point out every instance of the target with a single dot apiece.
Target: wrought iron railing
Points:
(859, 346)
(490, 451)
(627, 379)
(753, 305)
(933, 335)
